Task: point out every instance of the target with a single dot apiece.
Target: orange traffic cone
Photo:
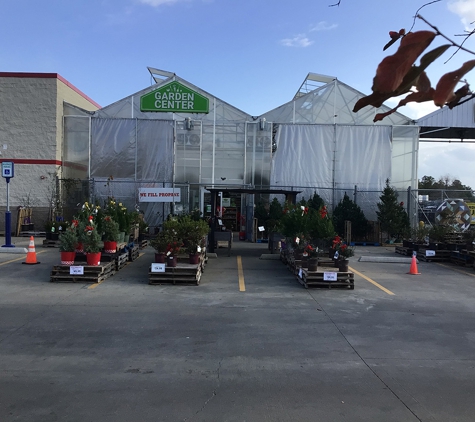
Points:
(413, 269)
(31, 255)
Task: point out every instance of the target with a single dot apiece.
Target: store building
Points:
(174, 135)
(31, 136)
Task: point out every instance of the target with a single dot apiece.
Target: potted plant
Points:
(192, 233)
(344, 253)
(67, 244)
(92, 242)
(173, 249)
(48, 226)
(111, 234)
(160, 243)
(312, 256)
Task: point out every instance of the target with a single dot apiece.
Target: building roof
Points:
(446, 123)
(36, 75)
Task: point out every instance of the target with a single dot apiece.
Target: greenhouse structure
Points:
(173, 135)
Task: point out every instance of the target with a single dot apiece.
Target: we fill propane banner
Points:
(159, 195)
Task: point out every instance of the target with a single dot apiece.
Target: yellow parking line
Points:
(456, 269)
(93, 286)
(242, 286)
(18, 259)
(389, 292)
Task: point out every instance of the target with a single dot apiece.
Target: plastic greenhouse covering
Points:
(314, 143)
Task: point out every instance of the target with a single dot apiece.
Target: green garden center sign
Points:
(174, 97)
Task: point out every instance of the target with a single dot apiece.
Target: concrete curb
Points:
(386, 259)
(15, 250)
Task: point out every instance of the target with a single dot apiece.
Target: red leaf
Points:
(394, 35)
(459, 94)
(444, 91)
(375, 99)
(392, 69)
(423, 82)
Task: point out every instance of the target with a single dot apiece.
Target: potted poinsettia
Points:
(344, 253)
(312, 256)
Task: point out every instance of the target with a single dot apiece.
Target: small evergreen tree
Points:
(391, 214)
(348, 210)
(316, 202)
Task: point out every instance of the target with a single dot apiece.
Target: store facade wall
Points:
(31, 134)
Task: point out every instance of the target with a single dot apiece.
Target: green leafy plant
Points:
(160, 242)
(391, 214)
(348, 210)
(110, 229)
(345, 251)
(192, 233)
(68, 238)
(91, 237)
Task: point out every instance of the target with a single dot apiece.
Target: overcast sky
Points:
(253, 54)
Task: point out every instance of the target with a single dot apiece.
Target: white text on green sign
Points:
(174, 97)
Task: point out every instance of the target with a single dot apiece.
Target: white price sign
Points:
(158, 267)
(430, 253)
(330, 276)
(76, 270)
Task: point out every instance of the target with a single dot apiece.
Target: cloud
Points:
(323, 26)
(157, 3)
(465, 9)
(300, 40)
(453, 159)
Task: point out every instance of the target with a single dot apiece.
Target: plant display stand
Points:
(462, 257)
(48, 243)
(404, 250)
(344, 280)
(134, 252)
(437, 256)
(184, 274)
(92, 273)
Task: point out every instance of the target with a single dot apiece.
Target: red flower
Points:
(323, 212)
(74, 223)
(91, 218)
(336, 241)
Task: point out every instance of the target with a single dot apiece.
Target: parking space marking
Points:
(18, 259)
(242, 286)
(389, 292)
(456, 269)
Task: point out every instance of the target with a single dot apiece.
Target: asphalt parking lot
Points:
(398, 347)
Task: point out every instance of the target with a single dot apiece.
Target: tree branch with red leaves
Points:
(397, 74)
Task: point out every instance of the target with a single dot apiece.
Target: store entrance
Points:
(232, 210)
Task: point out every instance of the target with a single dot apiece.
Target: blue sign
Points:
(7, 169)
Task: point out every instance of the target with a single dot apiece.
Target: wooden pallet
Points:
(134, 252)
(440, 255)
(184, 274)
(462, 258)
(92, 273)
(345, 280)
(121, 260)
(404, 250)
(48, 243)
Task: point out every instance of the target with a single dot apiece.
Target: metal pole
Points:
(8, 221)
